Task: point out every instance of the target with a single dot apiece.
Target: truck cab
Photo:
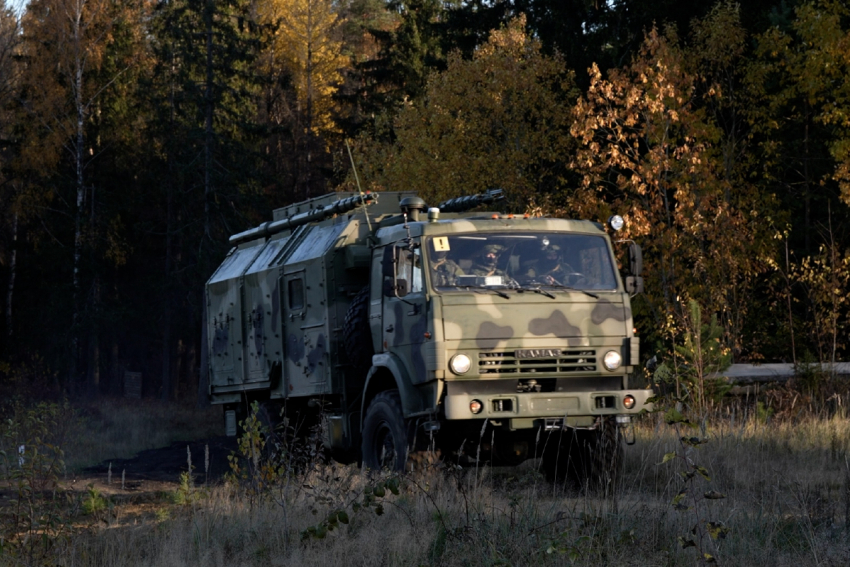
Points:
(521, 322)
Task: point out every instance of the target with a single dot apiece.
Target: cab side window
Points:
(410, 269)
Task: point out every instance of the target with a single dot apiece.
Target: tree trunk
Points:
(204, 374)
(94, 364)
(10, 290)
(309, 140)
(167, 303)
(807, 195)
(208, 127)
(79, 153)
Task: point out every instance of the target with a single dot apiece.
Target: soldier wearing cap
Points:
(549, 268)
(444, 271)
(486, 262)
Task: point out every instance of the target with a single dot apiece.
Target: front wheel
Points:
(607, 454)
(592, 458)
(384, 433)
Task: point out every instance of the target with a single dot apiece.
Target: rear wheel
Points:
(356, 334)
(384, 433)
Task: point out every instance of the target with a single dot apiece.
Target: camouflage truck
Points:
(486, 336)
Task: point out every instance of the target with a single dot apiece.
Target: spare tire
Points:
(356, 334)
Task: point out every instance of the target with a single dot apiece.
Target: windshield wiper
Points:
(584, 291)
(479, 289)
(535, 290)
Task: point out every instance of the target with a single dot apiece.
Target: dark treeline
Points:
(138, 135)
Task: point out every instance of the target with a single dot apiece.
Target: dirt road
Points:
(166, 464)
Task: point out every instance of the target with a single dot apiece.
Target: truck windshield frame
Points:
(544, 259)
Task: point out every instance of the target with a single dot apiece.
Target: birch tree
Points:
(9, 83)
(65, 45)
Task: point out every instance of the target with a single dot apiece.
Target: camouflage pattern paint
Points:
(416, 336)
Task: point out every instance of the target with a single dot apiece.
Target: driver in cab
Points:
(548, 268)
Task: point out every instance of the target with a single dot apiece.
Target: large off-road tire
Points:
(566, 457)
(587, 458)
(356, 334)
(606, 455)
(385, 436)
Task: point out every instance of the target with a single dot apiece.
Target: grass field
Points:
(786, 485)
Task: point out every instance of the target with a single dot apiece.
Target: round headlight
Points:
(629, 401)
(616, 222)
(612, 360)
(460, 364)
(476, 406)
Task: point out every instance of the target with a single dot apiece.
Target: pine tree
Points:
(409, 51)
(203, 93)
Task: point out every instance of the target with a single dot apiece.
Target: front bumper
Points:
(532, 405)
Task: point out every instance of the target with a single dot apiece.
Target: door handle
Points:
(390, 329)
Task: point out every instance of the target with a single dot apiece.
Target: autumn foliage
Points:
(137, 136)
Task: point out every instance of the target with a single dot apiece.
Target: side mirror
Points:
(634, 285)
(635, 260)
(394, 286)
(401, 287)
(388, 262)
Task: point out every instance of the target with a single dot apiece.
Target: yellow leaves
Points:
(842, 175)
(306, 45)
(511, 39)
(645, 151)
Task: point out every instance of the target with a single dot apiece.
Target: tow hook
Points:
(627, 425)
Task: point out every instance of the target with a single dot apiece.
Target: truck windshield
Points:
(553, 260)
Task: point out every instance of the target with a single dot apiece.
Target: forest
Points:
(137, 135)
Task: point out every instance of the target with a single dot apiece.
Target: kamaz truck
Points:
(404, 328)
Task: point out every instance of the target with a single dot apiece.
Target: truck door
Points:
(305, 340)
(405, 320)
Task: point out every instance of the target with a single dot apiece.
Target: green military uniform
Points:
(542, 270)
(445, 272)
(486, 264)
(549, 269)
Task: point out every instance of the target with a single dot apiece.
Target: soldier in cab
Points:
(486, 263)
(444, 270)
(548, 268)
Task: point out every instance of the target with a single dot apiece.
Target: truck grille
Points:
(507, 363)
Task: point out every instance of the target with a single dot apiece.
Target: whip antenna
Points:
(357, 179)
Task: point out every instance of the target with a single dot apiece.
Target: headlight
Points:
(460, 364)
(612, 360)
(616, 222)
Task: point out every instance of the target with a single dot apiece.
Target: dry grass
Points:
(786, 486)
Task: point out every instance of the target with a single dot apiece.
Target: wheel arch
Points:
(388, 373)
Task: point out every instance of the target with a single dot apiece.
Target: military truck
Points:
(485, 336)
